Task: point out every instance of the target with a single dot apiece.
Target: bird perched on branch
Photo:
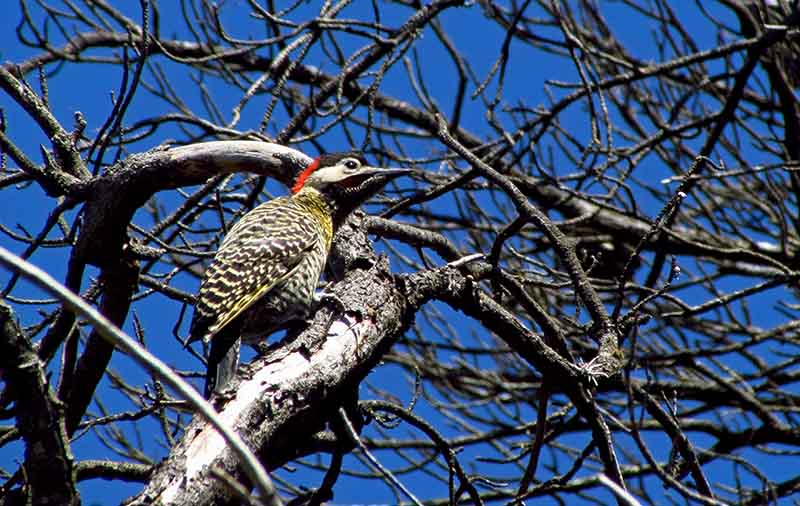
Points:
(266, 271)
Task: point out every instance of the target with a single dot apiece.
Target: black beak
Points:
(384, 172)
(371, 179)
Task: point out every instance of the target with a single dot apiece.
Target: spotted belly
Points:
(286, 303)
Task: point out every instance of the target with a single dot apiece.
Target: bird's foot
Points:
(326, 296)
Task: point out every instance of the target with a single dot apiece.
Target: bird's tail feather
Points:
(223, 360)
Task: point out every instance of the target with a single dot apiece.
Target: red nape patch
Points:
(301, 179)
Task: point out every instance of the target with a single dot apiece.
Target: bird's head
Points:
(344, 179)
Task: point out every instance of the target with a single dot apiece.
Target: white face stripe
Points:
(325, 176)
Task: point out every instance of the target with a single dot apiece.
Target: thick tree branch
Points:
(48, 467)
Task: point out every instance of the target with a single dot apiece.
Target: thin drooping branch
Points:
(609, 357)
(146, 359)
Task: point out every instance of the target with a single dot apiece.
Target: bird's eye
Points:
(351, 164)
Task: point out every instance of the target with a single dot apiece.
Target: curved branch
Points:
(139, 177)
(114, 335)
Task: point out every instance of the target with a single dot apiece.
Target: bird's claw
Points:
(328, 297)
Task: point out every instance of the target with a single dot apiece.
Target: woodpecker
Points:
(265, 273)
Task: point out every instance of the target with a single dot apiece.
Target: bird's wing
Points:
(251, 261)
